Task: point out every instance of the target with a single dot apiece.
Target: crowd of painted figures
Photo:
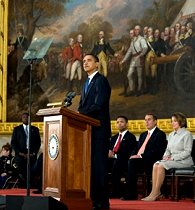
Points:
(144, 46)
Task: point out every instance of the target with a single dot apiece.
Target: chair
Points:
(185, 173)
(122, 179)
(169, 181)
(145, 183)
(11, 182)
(14, 179)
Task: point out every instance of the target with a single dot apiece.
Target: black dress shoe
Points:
(128, 197)
(99, 206)
(114, 195)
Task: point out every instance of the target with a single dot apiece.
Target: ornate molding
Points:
(138, 126)
(135, 126)
(7, 128)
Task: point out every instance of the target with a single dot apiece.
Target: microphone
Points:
(68, 99)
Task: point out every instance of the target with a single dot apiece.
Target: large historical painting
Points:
(76, 26)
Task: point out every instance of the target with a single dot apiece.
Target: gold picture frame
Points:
(3, 58)
(6, 128)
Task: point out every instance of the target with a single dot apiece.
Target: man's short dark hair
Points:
(124, 117)
(94, 56)
(153, 115)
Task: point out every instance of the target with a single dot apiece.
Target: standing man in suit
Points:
(19, 142)
(121, 147)
(94, 102)
(150, 148)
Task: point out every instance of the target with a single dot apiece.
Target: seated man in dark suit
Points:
(19, 142)
(121, 147)
(150, 148)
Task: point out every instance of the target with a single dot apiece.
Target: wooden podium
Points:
(67, 156)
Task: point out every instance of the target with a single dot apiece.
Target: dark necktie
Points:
(86, 85)
(116, 147)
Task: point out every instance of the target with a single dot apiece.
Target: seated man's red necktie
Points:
(117, 145)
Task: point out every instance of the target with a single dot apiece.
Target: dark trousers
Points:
(38, 172)
(21, 162)
(136, 166)
(99, 172)
(118, 171)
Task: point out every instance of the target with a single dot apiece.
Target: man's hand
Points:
(33, 154)
(23, 155)
(135, 156)
(111, 154)
(3, 174)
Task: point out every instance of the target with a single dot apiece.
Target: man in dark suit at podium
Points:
(19, 142)
(94, 102)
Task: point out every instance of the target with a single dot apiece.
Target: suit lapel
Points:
(23, 131)
(125, 135)
(152, 137)
(84, 95)
(90, 85)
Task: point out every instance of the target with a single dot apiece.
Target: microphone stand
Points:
(68, 99)
(29, 133)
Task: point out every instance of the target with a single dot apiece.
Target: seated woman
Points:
(177, 154)
(7, 165)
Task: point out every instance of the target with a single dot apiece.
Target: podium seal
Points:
(53, 147)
